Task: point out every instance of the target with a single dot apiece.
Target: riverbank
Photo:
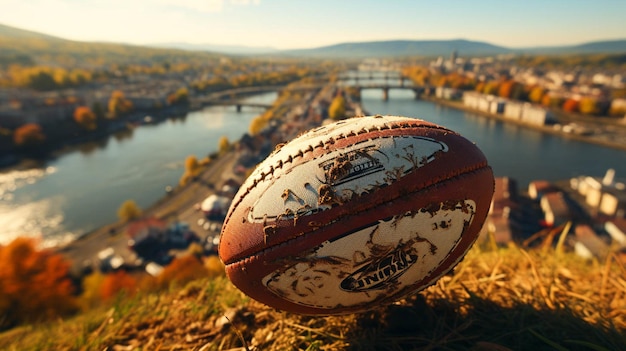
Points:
(179, 205)
(620, 128)
(67, 135)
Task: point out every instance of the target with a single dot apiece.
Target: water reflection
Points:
(81, 188)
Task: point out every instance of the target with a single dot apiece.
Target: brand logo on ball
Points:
(351, 165)
(377, 274)
(386, 257)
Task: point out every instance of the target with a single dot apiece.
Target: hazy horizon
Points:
(284, 25)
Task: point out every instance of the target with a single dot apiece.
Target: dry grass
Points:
(502, 299)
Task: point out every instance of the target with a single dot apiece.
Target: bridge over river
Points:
(384, 83)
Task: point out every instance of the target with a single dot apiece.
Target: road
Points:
(179, 205)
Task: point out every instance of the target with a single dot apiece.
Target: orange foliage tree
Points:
(570, 105)
(182, 270)
(34, 284)
(85, 117)
(116, 283)
(29, 134)
(506, 88)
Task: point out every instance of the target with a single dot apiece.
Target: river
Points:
(81, 190)
(515, 151)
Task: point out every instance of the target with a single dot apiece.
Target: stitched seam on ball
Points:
(432, 184)
(331, 141)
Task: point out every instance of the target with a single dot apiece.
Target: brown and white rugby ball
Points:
(356, 214)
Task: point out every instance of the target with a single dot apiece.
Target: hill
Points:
(23, 46)
(497, 299)
(15, 42)
(397, 48)
(617, 46)
(225, 49)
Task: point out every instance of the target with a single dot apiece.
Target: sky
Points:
(289, 24)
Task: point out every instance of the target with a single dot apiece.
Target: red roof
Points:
(139, 225)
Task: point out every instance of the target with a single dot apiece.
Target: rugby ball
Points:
(356, 214)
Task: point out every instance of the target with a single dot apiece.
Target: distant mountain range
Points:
(226, 49)
(391, 48)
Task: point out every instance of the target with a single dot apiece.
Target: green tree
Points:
(128, 211)
(337, 109)
(42, 81)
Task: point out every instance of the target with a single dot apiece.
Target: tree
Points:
(536, 94)
(491, 88)
(182, 270)
(128, 211)
(180, 97)
(223, 145)
(337, 109)
(570, 105)
(116, 283)
(34, 284)
(588, 106)
(118, 104)
(257, 124)
(42, 81)
(29, 134)
(85, 117)
(192, 169)
(98, 110)
(506, 89)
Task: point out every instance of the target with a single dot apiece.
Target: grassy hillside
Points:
(497, 299)
(24, 47)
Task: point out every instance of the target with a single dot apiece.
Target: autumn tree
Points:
(491, 88)
(85, 117)
(118, 104)
(117, 283)
(223, 145)
(180, 97)
(570, 105)
(34, 284)
(192, 169)
(182, 270)
(29, 134)
(128, 211)
(257, 124)
(536, 94)
(506, 89)
(588, 106)
(550, 100)
(337, 108)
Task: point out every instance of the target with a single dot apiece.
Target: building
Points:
(513, 110)
(538, 188)
(587, 244)
(613, 203)
(616, 228)
(555, 208)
